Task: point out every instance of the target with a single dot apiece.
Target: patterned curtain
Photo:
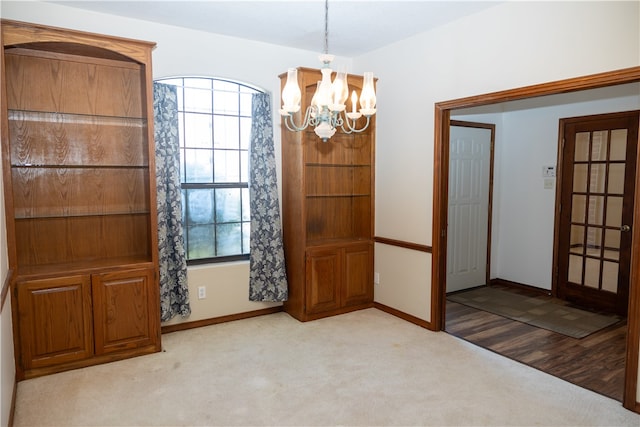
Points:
(174, 292)
(268, 277)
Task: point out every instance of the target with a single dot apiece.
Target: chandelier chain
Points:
(326, 26)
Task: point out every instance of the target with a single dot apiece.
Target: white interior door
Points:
(468, 227)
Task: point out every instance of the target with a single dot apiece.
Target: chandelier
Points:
(328, 110)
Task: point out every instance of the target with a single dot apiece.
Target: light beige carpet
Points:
(366, 368)
(543, 312)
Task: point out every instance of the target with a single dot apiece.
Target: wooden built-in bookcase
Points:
(328, 207)
(79, 184)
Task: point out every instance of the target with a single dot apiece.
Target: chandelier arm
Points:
(291, 125)
(352, 129)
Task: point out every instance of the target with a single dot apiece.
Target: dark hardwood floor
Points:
(595, 362)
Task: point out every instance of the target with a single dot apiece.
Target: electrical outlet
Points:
(202, 292)
(376, 278)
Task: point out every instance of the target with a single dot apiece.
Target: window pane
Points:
(246, 234)
(197, 100)
(226, 132)
(228, 239)
(200, 206)
(197, 130)
(245, 104)
(198, 164)
(181, 128)
(245, 133)
(198, 82)
(245, 205)
(200, 238)
(228, 205)
(227, 166)
(173, 82)
(226, 102)
(224, 85)
(244, 166)
(180, 93)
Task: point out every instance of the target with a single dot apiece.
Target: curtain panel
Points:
(268, 277)
(174, 291)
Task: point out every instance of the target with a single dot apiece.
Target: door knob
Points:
(625, 228)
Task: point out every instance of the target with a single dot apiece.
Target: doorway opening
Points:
(443, 112)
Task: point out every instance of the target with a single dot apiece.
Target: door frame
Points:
(440, 205)
(492, 145)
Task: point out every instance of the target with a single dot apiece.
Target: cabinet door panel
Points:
(324, 272)
(358, 284)
(122, 316)
(55, 320)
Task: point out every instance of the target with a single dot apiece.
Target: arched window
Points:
(215, 127)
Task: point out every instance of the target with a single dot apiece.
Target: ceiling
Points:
(355, 26)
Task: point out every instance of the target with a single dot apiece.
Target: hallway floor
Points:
(595, 362)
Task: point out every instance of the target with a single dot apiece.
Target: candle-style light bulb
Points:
(354, 101)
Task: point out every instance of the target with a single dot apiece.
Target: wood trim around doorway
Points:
(440, 204)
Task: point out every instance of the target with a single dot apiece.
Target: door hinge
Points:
(443, 232)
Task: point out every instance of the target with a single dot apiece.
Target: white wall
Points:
(527, 139)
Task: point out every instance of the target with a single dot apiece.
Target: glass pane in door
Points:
(616, 178)
(610, 276)
(582, 147)
(592, 273)
(596, 211)
(614, 211)
(599, 145)
(618, 145)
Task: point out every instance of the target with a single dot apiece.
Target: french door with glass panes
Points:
(596, 211)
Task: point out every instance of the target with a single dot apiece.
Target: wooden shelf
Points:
(328, 204)
(75, 118)
(79, 180)
(84, 267)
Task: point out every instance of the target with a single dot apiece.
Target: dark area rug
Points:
(543, 312)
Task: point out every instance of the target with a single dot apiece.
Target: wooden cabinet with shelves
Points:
(79, 184)
(327, 200)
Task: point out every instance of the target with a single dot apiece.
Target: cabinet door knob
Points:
(625, 228)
